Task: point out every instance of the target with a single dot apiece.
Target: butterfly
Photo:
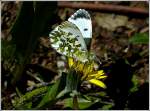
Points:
(68, 37)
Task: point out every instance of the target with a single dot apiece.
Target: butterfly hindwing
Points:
(71, 28)
(64, 41)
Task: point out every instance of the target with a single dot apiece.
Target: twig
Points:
(146, 29)
(35, 77)
(104, 7)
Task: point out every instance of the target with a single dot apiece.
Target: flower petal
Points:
(97, 82)
(101, 77)
(70, 62)
(80, 66)
(97, 74)
(100, 72)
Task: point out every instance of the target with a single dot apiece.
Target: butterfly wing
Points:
(69, 27)
(82, 20)
(64, 39)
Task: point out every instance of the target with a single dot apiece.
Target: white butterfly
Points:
(68, 38)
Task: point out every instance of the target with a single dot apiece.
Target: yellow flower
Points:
(70, 61)
(88, 71)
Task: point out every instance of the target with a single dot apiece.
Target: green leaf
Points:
(23, 101)
(32, 22)
(140, 38)
(83, 103)
(72, 81)
(51, 96)
(26, 106)
(135, 82)
(107, 106)
(8, 49)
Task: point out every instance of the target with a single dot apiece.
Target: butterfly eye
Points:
(85, 29)
(77, 36)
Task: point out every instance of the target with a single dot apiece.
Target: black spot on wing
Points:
(77, 36)
(81, 13)
(85, 29)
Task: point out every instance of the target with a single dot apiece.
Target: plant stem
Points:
(75, 102)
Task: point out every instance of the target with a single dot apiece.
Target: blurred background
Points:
(120, 39)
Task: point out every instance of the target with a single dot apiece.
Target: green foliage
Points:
(25, 101)
(23, 27)
(89, 100)
(50, 97)
(8, 50)
(140, 38)
(83, 103)
(72, 81)
(135, 82)
(31, 22)
(107, 106)
(10, 57)
(48, 94)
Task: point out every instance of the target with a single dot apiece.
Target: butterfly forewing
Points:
(82, 20)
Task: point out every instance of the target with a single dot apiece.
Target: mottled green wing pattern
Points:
(64, 39)
(70, 27)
